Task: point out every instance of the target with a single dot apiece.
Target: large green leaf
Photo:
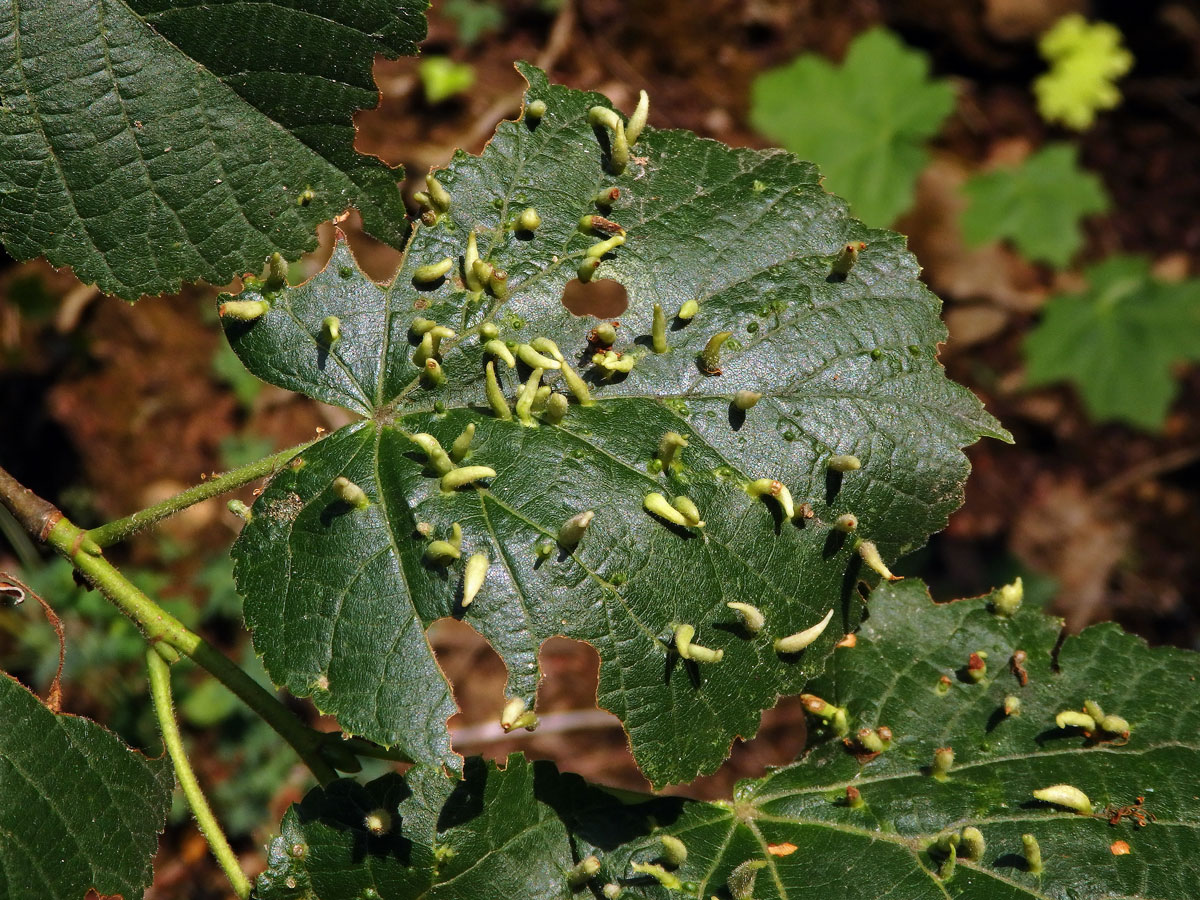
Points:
(339, 598)
(148, 142)
(864, 123)
(517, 833)
(1118, 340)
(1037, 205)
(78, 808)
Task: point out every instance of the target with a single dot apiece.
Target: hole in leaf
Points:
(601, 297)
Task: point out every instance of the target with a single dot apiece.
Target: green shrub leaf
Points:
(78, 809)
(1117, 341)
(864, 123)
(520, 832)
(338, 597)
(1037, 205)
(149, 143)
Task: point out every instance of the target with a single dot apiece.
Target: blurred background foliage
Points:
(1039, 154)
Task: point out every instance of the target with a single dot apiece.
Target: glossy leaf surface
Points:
(519, 832)
(146, 143)
(339, 597)
(78, 808)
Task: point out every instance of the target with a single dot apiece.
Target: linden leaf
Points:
(1085, 62)
(340, 586)
(864, 123)
(1037, 205)
(79, 810)
(146, 143)
(526, 830)
(1117, 341)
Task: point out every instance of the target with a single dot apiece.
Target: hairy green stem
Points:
(160, 627)
(164, 709)
(231, 480)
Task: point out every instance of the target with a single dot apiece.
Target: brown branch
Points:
(37, 516)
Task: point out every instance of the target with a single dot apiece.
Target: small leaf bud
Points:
(556, 408)
(466, 475)
(690, 511)
(638, 120)
(526, 396)
(473, 576)
(1070, 718)
(752, 618)
(583, 872)
(657, 505)
(846, 259)
(794, 643)
(745, 400)
(835, 716)
(431, 272)
(771, 488)
(846, 522)
(1033, 854)
(439, 461)
(605, 333)
(1007, 600)
(870, 555)
(658, 331)
(495, 395)
(547, 346)
(973, 845)
(577, 386)
(574, 529)
(378, 821)
(462, 444)
(843, 462)
(1065, 795)
(674, 851)
(710, 356)
(943, 762)
(741, 880)
(243, 310)
(1114, 725)
(529, 220)
(670, 443)
(331, 330)
(349, 492)
(587, 269)
(535, 110)
(432, 375)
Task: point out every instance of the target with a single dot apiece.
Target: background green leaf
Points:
(864, 123)
(1037, 205)
(495, 842)
(339, 599)
(78, 808)
(146, 143)
(1117, 341)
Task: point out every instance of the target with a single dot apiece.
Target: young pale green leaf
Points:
(146, 143)
(338, 598)
(864, 123)
(1037, 205)
(796, 832)
(79, 810)
(1086, 59)
(1117, 341)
